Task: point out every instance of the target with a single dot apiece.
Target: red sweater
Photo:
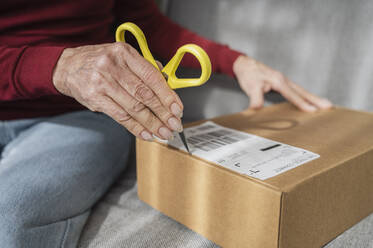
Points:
(33, 34)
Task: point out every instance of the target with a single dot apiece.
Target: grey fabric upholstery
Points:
(325, 46)
(122, 220)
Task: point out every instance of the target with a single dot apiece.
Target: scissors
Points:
(170, 69)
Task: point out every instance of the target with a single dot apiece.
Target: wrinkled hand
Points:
(256, 79)
(116, 80)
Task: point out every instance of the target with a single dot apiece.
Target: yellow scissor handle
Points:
(170, 69)
(140, 37)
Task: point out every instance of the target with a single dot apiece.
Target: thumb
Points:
(160, 66)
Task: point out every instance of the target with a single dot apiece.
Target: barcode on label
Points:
(215, 139)
(205, 127)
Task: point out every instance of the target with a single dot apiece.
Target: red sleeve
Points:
(165, 37)
(26, 72)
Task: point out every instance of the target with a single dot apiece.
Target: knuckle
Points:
(279, 80)
(169, 99)
(103, 61)
(153, 103)
(123, 117)
(137, 107)
(151, 75)
(150, 121)
(161, 112)
(128, 48)
(123, 47)
(279, 77)
(118, 46)
(97, 85)
(95, 77)
(143, 93)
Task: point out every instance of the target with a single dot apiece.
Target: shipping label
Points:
(241, 152)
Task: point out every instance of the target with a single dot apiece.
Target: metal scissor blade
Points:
(183, 139)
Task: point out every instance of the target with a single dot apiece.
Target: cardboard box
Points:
(303, 207)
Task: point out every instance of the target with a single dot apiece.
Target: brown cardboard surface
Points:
(207, 198)
(304, 207)
(324, 206)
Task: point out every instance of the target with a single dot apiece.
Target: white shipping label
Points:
(242, 152)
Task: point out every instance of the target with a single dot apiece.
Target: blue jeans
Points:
(52, 171)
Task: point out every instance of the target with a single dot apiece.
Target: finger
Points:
(267, 87)
(313, 99)
(160, 66)
(292, 96)
(121, 116)
(155, 81)
(256, 97)
(138, 111)
(142, 93)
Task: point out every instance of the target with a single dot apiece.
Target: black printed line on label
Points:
(270, 147)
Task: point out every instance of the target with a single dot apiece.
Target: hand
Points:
(256, 79)
(116, 80)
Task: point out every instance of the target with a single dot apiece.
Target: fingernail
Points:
(175, 124)
(146, 135)
(326, 103)
(176, 110)
(165, 133)
(311, 108)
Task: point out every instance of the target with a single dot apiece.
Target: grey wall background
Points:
(325, 46)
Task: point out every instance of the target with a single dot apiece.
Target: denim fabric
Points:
(52, 171)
